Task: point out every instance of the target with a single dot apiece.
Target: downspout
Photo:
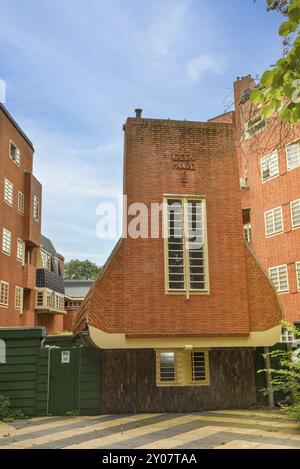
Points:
(269, 378)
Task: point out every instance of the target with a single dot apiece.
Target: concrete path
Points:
(219, 430)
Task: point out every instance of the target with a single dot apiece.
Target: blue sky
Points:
(75, 69)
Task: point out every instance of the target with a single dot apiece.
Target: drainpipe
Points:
(269, 379)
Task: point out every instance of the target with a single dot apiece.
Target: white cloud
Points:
(197, 67)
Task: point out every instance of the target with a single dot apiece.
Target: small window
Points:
(20, 250)
(198, 364)
(286, 336)
(2, 351)
(292, 155)
(4, 293)
(298, 274)
(6, 241)
(167, 367)
(21, 203)
(274, 221)
(182, 368)
(46, 260)
(254, 125)
(269, 166)
(39, 298)
(36, 208)
(8, 192)
(14, 153)
(19, 299)
(247, 232)
(295, 213)
(279, 277)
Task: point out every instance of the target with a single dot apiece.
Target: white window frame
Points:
(288, 166)
(20, 250)
(254, 125)
(187, 290)
(36, 208)
(297, 201)
(278, 267)
(287, 337)
(297, 267)
(274, 231)
(248, 232)
(17, 159)
(6, 241)
(21, 203)
(4, 293)
(267, 159)
(19, 292)
(8, 192)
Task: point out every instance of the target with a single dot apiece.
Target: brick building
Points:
(269, 167)
(20, 224)
(31, 272)
(177, 317)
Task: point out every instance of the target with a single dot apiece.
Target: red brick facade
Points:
(22, 226)
(282, 248)
(129, 296)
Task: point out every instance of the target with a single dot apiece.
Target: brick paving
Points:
(233, 429)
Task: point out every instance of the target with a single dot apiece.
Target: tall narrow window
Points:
(6, 241)
(46, 259)
(274, 221)
(247, 233)
(269, 166)
(4, 293)
(8, 192)
(20, 250)
(295, 213)
(14, 153)
(279, 277)
(36, 208)
(199, 367)
(186, 252)
(292, 155)
(298, 274)
(21, 203)
(19, 299)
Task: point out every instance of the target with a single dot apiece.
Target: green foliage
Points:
(81, 270)
(6, 413)
(286, 379)
(278, 92)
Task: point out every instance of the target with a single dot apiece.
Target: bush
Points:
(6, 413)
(286, 379)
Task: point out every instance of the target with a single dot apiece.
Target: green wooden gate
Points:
(64, 380)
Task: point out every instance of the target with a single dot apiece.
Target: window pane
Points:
(167, 366)
(175, 245)
(198, 366)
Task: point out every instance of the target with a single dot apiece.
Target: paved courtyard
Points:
(218, 430)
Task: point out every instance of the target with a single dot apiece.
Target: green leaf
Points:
(267, 111)
(294, 14)
(267, 78)
(256, 96)
(287, 28)
(285, 114)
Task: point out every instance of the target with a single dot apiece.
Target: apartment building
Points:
(269, 167)
(177, 314)
(20, 224)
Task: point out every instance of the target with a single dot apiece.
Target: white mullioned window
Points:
(4, 293)
(247, 232)
(36, 208)
(286, 336)
(295, 213)
(182, 368)
(279, 278)
(292, 155)
(8, 192)
(21, 202)
(20, 250)
(19, 299)
(46, 259)
(298, 274)
(274, 221)
(254, 125)
(6, 241)
(186, 257)
(14, 153)
(269, 166)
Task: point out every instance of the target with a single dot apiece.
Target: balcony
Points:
(48, 279)
(49, 302)
(29, 276)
